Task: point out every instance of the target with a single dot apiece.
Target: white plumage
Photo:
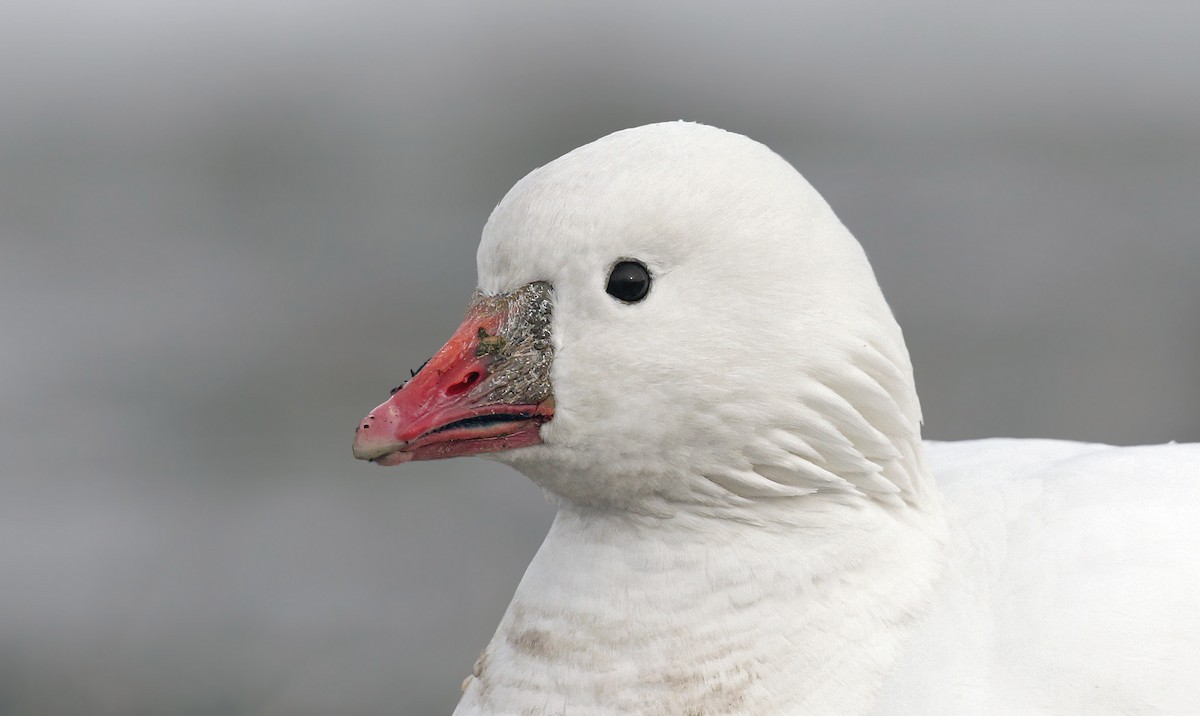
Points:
(1071, 583)
(749, 522)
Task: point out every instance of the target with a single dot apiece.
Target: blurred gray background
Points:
(227, 228)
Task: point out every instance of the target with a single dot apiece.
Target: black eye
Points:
(629, 281)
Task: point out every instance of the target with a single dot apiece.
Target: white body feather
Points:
(1072, 583)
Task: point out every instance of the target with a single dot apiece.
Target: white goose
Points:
(676, 338)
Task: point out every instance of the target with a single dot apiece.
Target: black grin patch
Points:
(520, 350)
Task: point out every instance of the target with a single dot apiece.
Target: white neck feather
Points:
(623, 614)
(747, 522)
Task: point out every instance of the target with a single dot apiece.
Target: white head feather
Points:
(764, 363)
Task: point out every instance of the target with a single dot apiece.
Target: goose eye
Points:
(629, 281)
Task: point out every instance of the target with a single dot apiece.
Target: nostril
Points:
(465, 384)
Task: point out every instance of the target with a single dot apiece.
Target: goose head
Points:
(669, 318)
